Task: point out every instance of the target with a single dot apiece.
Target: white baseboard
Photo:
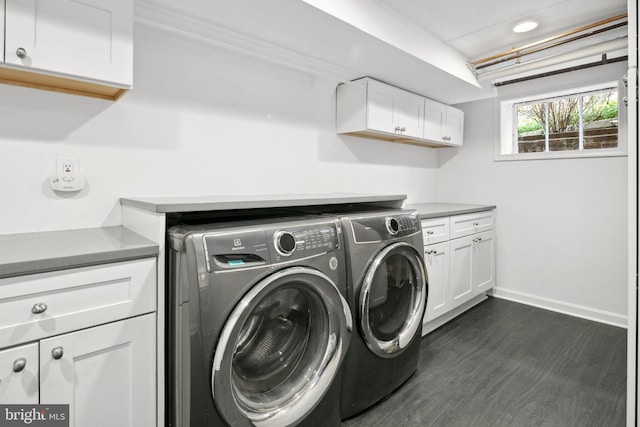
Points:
(561, 307)
(434, 324)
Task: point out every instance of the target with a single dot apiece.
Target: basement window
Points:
(581, 122)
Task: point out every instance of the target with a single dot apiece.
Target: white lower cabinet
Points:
(106, 373)
(19, 375)
(483, 260)
(85, 337)
(436, 258)
(460, 270)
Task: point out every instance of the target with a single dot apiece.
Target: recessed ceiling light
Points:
(525, 26)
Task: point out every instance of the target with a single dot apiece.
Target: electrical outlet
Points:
(67, 166)
(67, 177)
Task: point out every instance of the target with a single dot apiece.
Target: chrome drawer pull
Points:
(21, 52)
(38, 308)
(19, 364)
(430, 232)
(57, 353)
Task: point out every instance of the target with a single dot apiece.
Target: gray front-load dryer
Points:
(258, 324)
(387, 291)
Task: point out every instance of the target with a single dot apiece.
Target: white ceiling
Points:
(480, 28)
(306, 35)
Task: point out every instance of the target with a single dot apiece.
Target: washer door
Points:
(281, 349)
(392, 299)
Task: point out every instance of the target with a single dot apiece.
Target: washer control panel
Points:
(252, 247)
(304, 241)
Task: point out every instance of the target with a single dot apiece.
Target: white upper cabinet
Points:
(83, 40)
(393, 111)
(443, 123)
(369, 108)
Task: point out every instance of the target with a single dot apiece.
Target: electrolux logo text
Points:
(34, 415)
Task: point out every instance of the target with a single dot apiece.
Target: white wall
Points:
(562, 224)
(199, 121)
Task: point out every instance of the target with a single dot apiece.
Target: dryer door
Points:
(392, 299)
(280, 349)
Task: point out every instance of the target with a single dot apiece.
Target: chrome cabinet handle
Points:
(403, 129)
(57, 353)
(19, 364)
(21, 52)
(478, 239)
(625, 79)
(625, 101)
(397, 129)
(39, 307)
(475, 224)
(432, 251)
(430, 232)
(446, 138)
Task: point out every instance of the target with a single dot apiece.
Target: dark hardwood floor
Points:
(509, 364)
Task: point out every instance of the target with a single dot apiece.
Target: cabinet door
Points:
(436, 258)
(411, 114)
(434, 119)
(91, 39)
(381, 107)
(484, 255)
(453, 126)
(461, 270)
(19, 375)
(106, 373)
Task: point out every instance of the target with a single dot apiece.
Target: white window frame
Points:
(505, 147)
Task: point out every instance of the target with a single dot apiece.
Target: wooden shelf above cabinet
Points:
(33, 80)
(395, 138)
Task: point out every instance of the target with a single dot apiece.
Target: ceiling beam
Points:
(383, 23)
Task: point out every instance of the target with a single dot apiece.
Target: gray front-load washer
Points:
(258, 324)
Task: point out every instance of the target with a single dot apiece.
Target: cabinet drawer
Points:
(435, 230)
(41, 305)
(465, 225)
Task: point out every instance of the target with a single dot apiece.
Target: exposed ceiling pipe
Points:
(516, 56)
(547, 40)
(585, 52)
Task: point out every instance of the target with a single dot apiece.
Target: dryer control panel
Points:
(371, 229)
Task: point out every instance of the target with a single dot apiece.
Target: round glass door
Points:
(280, 349)
(392, 299)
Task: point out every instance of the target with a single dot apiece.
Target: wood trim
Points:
(34, 80)
(397, 138)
